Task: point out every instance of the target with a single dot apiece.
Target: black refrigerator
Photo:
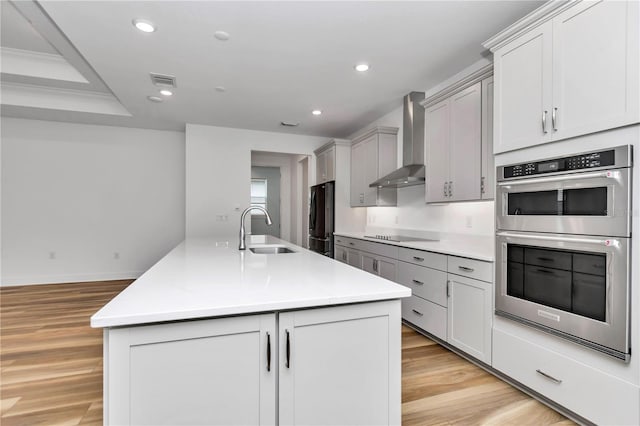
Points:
(321, 218)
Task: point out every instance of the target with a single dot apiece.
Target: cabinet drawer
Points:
(347, 242)
(427, 283)
(593, 394)
(470, 268)
(381, 249)
(428, 316)
(423, 258)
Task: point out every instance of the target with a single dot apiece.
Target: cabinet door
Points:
(466, 140)
(343, 365)
(487, 182)
(354, 258)
(595, 67)
(321, 167)
(340, 254)
(469, 316)
(213, 372)
(437, 161)
(387, 268)
(370, 170)
(330, 164)
(522, 73)
(357, 175)
(369, 263)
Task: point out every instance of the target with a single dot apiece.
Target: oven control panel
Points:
(576, 162)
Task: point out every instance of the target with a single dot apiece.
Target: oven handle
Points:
(595, 241)
(606, 174)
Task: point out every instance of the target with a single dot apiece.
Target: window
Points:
(258, 194)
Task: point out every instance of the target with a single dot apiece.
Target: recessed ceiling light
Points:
(316, 112)
(221, 35)
(220, 89)
(144, 25)
(166, 92)
(155, 99)
(362, 67)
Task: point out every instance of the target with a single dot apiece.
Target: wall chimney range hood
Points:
(413, 145)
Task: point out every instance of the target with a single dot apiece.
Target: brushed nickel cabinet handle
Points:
(444, 189)
(417, 313)
(417, 282)
(448, 282)
(450, 188)
(419, 259)
(553, 379)
(544, 122)
(482, 190)
(553, 119)
(465, 269)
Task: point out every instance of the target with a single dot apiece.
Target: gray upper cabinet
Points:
(373, 154)
(569, 72)
(454, 133)
(327, 158)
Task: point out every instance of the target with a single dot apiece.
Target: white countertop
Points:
(471, 246)
(207, 278)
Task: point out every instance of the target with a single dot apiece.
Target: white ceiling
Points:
(283, 58)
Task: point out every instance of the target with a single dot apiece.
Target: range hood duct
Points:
(413, 145)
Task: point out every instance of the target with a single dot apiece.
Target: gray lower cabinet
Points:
(451, 296)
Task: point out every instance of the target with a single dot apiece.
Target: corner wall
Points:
(218, 173)
(86, 202)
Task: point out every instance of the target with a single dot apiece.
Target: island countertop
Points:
(203, 278)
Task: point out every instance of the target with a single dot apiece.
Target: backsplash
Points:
(475, 218)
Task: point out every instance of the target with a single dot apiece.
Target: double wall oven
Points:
(563, 246)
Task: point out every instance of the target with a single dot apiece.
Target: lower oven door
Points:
(573, 286)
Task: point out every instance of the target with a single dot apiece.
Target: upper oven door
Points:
(586, 203)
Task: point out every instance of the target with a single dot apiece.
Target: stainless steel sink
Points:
(271, 250)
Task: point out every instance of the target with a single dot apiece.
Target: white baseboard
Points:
(70, 278)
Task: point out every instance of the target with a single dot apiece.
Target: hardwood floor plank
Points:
(51, 367)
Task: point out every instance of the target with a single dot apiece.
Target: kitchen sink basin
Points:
(271, 250)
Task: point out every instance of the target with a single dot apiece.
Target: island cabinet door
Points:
(340, 365)
(206, 372)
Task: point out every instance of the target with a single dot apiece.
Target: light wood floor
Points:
(51, 367)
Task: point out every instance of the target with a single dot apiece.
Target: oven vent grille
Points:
(163, 80)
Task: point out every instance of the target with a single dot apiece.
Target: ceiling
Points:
(282, 60)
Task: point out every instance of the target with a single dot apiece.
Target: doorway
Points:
(265, 192)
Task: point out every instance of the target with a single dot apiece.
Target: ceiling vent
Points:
(288, 124)
(163, 80)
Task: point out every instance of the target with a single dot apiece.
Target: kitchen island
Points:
(214, 335)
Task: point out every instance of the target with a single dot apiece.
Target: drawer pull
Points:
(419, 259)
(420, 314)
(466, 269)
(352, 244)
(417, 282)
(553, 379)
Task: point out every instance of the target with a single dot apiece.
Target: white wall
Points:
(74, 195)
(218, 171)
(412, 212)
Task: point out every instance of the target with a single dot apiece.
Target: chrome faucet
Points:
(267, 220)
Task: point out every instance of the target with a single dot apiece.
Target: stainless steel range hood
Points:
(413, 144)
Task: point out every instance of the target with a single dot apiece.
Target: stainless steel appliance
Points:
(563, 247)
(321, 218)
